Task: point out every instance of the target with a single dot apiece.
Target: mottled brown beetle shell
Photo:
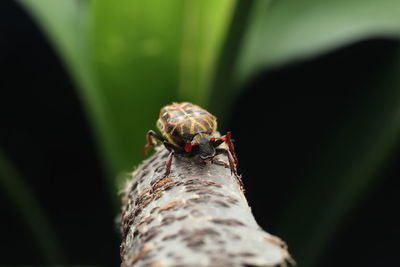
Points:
(180, 122)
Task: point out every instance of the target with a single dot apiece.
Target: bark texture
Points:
(197, 216)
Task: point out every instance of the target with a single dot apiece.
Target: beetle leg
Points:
(228, 140)
(221, 163)
(232, 165)
(168, 164)
(231, 160)
(150, 141)
(170, 147)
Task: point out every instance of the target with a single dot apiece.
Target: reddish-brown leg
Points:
(168, 164)
(234, 169)
(228, 140)
(231, 147)
(150, 141)
(233, 161)
(232, 165)
(221, 163)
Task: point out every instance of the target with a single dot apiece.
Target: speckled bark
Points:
(195, 217)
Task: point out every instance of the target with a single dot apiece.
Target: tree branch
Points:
(197, 216)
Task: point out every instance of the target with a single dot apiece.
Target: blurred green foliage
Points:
(285, 31)
(131, 57)
(152, 53)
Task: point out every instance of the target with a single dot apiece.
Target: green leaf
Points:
(30, 211)
(135, 57)
(294, 30)
(346, 171)
(150, 53)
(205, 24)
(268, 33)
(65, 23)
(246, 14)
(131, 58)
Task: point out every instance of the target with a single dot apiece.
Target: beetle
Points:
(189, 130)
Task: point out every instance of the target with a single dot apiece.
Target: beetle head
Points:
(206, 149)
(203, 144)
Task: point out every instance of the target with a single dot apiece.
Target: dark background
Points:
(279, 124)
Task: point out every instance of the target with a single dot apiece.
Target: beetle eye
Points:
(188, 147)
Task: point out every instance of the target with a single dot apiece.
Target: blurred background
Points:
(310, 90)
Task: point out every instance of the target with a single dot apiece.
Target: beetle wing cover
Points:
(185, 120)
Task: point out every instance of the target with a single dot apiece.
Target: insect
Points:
(191, 131)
